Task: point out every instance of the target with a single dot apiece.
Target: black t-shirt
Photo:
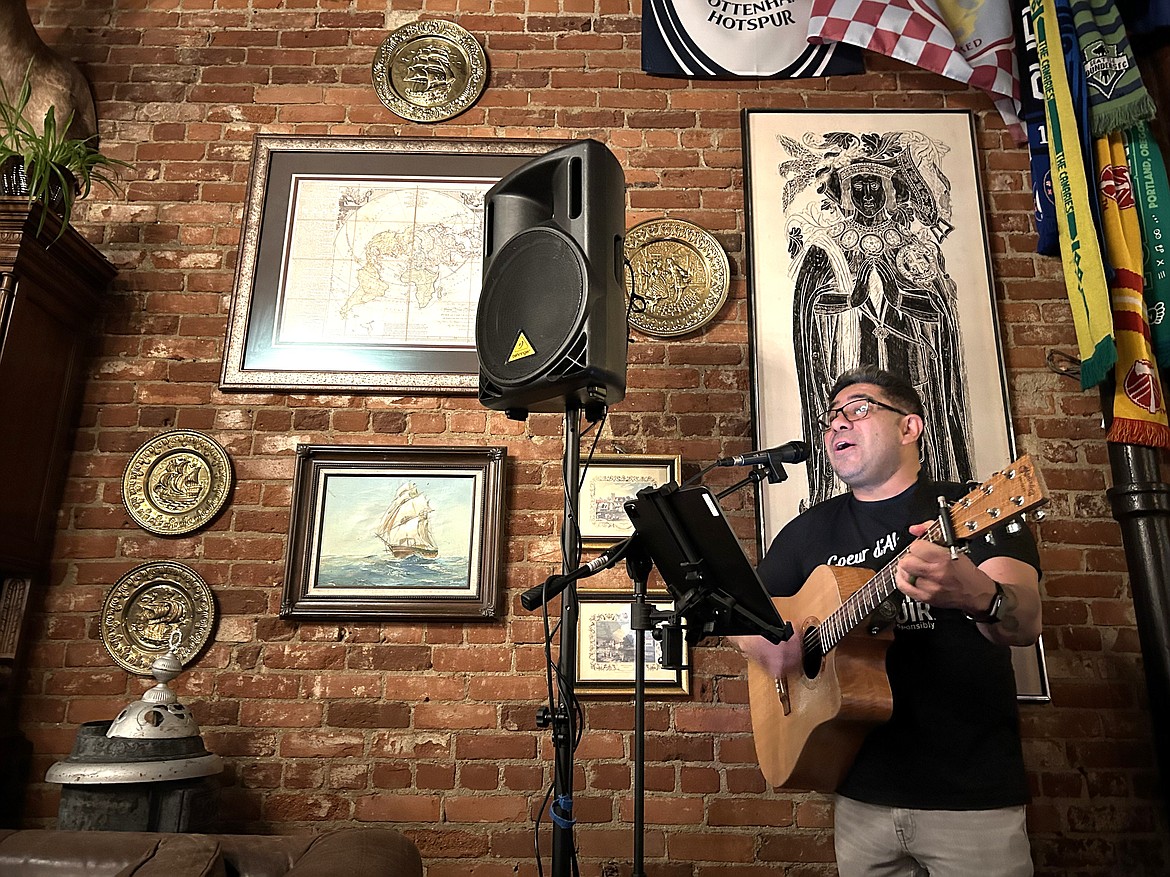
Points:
(953, 740)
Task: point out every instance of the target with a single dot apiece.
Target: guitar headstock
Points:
(1005, 495)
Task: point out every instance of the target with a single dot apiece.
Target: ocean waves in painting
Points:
(374, 571)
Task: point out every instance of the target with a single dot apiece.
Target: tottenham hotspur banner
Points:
(720, 38)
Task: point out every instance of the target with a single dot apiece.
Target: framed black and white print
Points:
(867, 244)
(607, 481)
(607, 648)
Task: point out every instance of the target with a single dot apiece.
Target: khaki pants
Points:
(874, 841)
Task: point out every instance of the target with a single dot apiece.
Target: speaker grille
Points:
(531, 307)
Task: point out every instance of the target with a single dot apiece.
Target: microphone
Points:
(553, 585)
(792, 452)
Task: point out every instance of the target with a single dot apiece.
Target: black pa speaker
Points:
(550, 332)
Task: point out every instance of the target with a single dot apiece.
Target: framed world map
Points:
(360, 264)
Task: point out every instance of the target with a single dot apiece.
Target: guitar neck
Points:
(860, 605)
(1003, 496)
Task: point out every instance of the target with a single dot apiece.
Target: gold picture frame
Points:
(606, 648)
(607, 481)
(395, 532)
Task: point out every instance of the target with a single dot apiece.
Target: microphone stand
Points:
(638, 565)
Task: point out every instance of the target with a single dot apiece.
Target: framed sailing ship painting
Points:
(386, 532)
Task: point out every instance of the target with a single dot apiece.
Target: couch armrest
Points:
(360, 852)
(46, 853)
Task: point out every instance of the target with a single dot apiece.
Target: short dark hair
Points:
(899, 390)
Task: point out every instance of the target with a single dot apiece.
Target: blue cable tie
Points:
(565, 804)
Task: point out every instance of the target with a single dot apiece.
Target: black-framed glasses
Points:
(853, 410)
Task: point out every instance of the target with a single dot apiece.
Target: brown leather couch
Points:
(351, 852)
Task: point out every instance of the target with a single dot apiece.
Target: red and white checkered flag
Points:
(970, 43)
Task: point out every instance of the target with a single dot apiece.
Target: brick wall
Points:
(430, 726)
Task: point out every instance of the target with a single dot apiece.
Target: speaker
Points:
(550, 331)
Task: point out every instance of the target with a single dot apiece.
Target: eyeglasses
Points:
(853, 410)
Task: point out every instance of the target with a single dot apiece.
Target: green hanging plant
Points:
(48, 166)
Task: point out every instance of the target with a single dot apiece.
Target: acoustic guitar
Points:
(808, 729)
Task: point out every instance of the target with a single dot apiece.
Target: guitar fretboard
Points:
(861, 603)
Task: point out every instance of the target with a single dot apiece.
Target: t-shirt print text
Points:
(881, 548)
(913, 615)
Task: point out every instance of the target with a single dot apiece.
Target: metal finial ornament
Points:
(158, 714)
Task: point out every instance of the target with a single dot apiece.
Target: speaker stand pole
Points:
(564, 851)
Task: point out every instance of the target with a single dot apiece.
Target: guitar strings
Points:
(857, 607)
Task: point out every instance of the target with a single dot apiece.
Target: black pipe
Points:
(1141, 505)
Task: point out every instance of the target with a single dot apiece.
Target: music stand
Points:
(715, 587)
(716, 591)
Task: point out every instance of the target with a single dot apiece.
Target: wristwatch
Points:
(994, 612)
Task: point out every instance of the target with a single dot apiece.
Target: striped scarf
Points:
(1152, 193)
(1117, 97)
(1139, 409)
(1084, 271)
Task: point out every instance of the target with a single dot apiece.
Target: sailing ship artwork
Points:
(405, 528)
(400, 532)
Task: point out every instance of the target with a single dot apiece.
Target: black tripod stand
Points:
(716, 592)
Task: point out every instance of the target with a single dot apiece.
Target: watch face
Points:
(996, 603)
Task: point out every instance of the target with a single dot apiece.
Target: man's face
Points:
(868, 452)
(868, 193)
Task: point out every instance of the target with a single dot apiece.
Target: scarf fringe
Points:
(1119, 115)
(1098, 366)
(1138, 432)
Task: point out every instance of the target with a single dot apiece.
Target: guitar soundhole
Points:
(814, 655)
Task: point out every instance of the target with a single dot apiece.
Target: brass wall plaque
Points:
(141, 612)
(428, 71)
(681, 274)
(176, 482)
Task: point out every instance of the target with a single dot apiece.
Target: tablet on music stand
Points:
(714, 585)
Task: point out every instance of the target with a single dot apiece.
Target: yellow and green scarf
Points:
(1084, 271)
(1139, 409)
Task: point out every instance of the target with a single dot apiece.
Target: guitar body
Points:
(811, 742)
(809, 728)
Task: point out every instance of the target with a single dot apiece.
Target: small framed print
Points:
(607, 481)
(607, 648)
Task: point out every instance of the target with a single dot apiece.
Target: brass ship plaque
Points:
(429, 71)
(143, 610)
(176, 482)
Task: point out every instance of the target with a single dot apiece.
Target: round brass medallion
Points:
(680, 274)
(176, 482)
(143, 610)
(428, 71)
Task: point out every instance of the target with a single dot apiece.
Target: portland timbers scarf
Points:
(1084, 272)
(1152, 193)
(1139, 408)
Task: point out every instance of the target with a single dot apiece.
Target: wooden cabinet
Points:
(51, 290)
(50, 298)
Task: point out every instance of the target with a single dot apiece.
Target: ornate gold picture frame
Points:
(360, 264)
